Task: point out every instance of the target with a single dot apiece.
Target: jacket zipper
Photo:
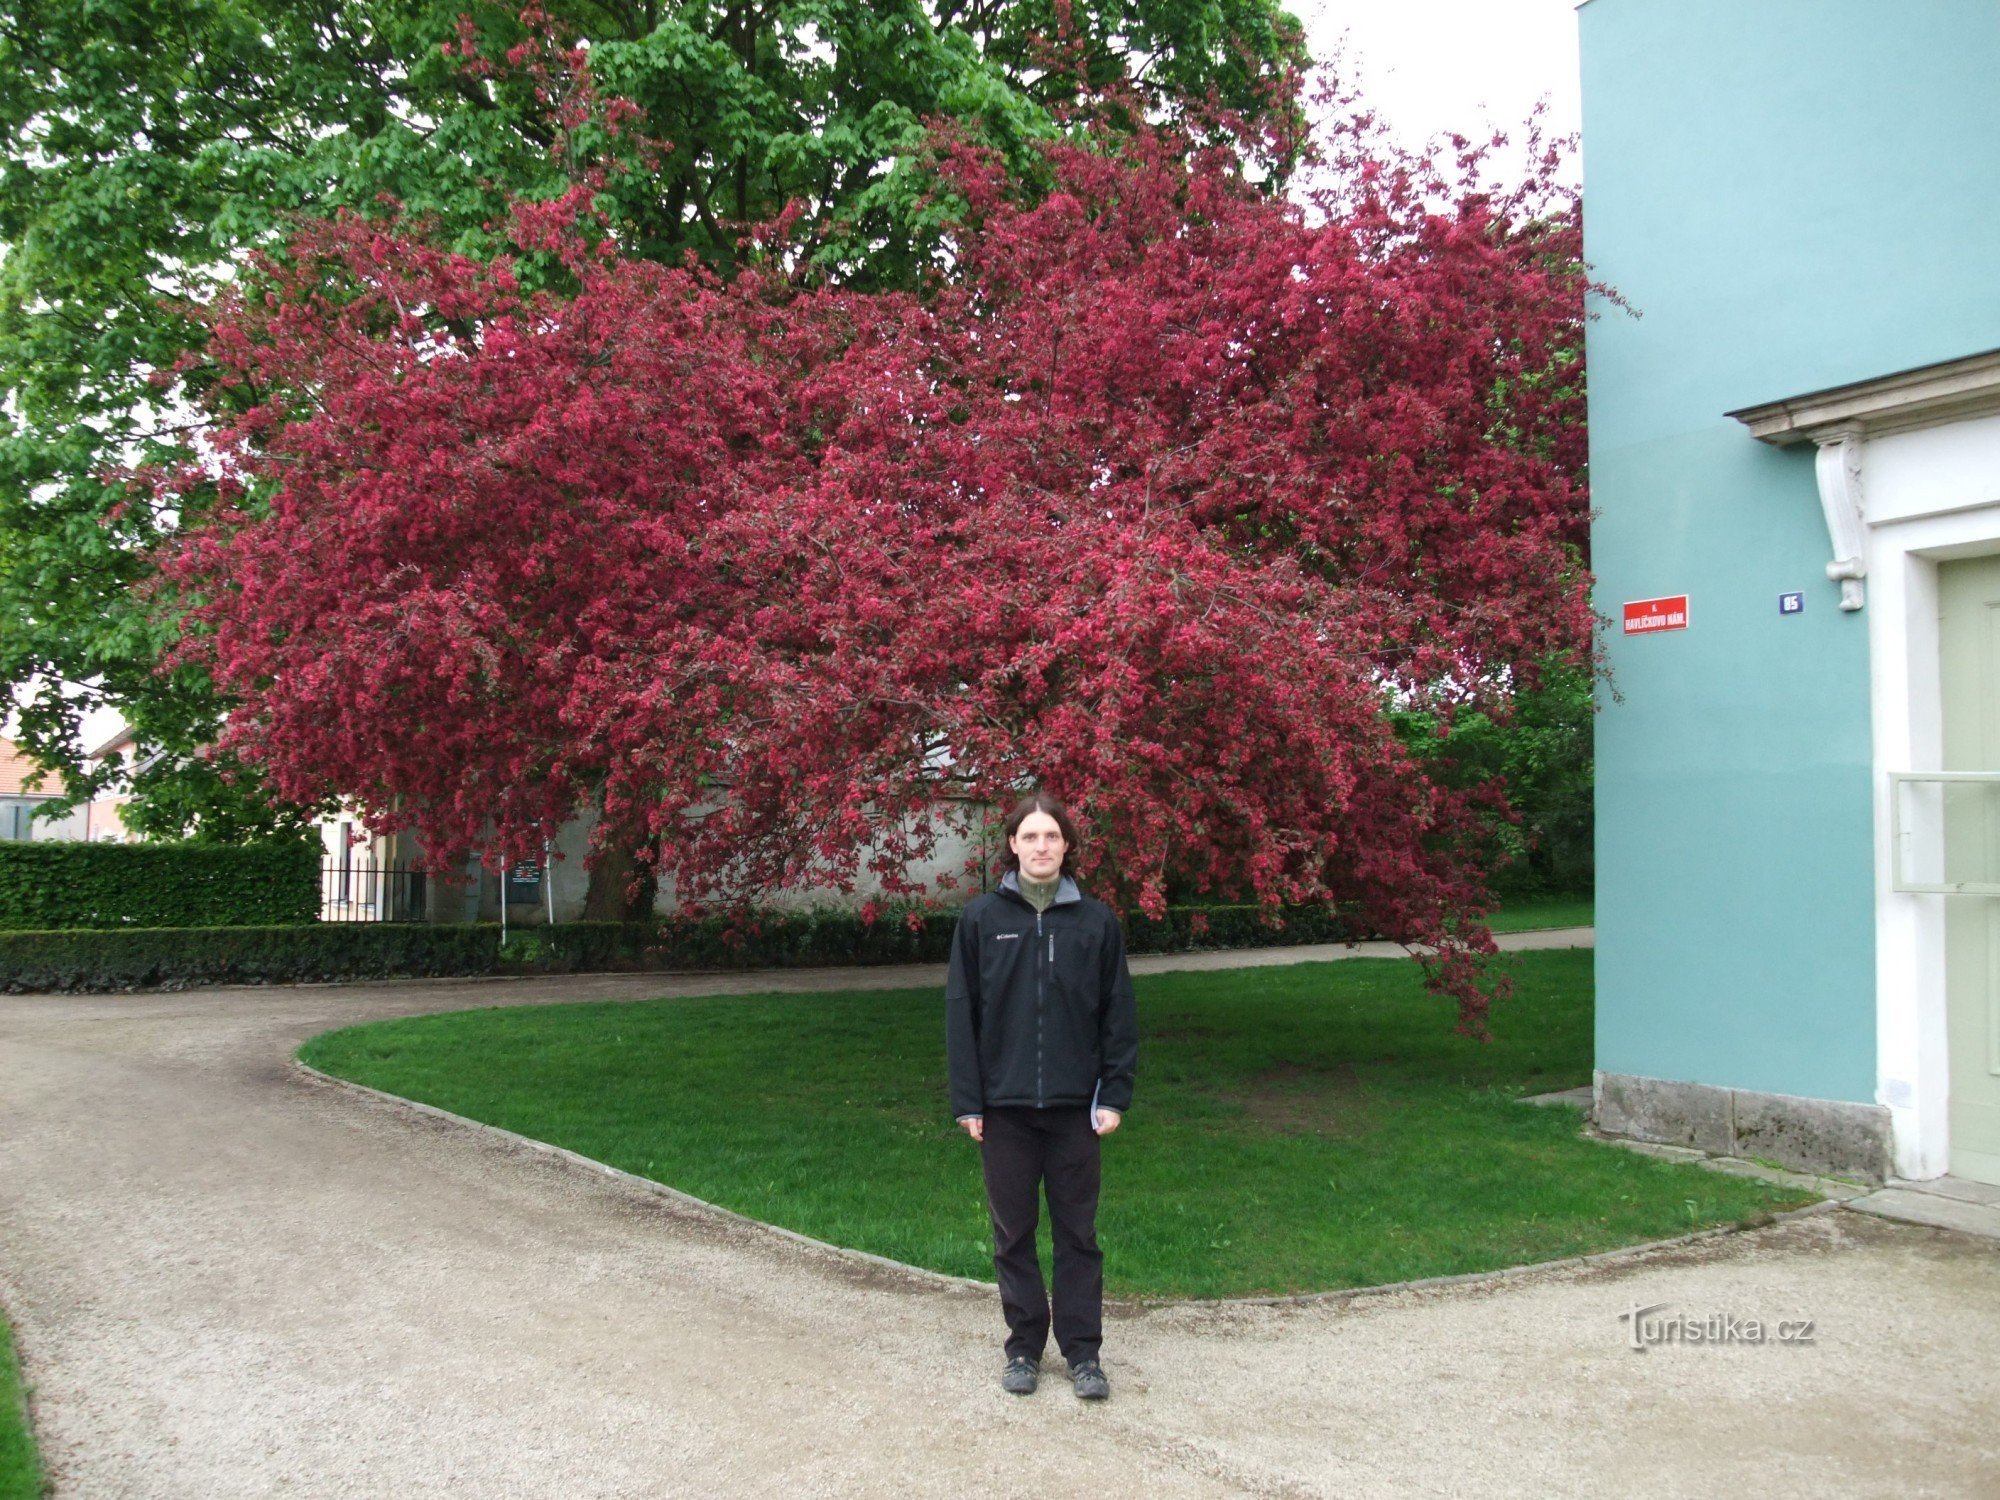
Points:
(1038, 1007)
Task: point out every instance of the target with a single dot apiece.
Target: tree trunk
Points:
(606, 901)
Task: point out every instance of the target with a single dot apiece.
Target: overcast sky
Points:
(1428, 66)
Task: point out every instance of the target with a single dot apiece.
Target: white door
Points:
(1969, 659)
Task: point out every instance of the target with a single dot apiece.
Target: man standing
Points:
(1042, 1040)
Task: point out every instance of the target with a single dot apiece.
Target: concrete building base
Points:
(1823, 1136)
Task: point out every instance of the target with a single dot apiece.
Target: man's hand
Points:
(1107, 1120)
(975, 1126)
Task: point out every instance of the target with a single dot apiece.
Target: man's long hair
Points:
(1038, 802)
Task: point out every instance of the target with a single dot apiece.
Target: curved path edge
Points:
(234, 1277)
(1619, 1255)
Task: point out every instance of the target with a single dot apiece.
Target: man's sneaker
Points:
(1088, 1378)
(1019, 1376)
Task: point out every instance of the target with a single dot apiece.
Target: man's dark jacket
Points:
(1038, 1005)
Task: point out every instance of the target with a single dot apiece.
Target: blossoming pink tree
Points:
(1160, 495)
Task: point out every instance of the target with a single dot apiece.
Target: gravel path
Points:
(231, 1279)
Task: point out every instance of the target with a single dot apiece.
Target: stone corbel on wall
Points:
(1838, 466)
(1841, 418)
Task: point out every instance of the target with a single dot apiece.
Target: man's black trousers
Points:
(1022, 1149)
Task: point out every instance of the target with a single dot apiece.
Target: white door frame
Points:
(1912, 1062)
(1909, 476)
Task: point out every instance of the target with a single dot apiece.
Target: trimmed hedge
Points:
(1187, 929)
(768, 938)
(180, 958)
(153, 885)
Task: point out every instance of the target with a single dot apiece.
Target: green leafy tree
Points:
(149, 144)
(1540, 752)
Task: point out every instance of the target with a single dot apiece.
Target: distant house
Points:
(1795, 460)
(367, 876)
(371, 877)
(24, 789)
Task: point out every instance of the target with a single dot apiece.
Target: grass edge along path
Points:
(21, 1475)
(1536, 913)
(1309, 1128)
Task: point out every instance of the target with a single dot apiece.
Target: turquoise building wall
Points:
(1791, 194)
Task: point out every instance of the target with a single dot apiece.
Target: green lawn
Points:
(1295, 1129)
(20, 1469)
(1545, 911)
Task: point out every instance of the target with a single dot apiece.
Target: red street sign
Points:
(1643, 615)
